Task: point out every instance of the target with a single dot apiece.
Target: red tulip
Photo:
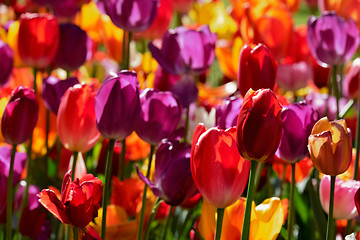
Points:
(218, 170)
(76, 122)
(259, 125)
(257, 68)
(79, 203)
(38, 39)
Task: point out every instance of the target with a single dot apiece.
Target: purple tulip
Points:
(227, 113)
(293, 76)
(72, 51)
(117, 105)
(331, 39)
(173, 180)
(298, 120)
(131, 15)
(20, 116)
(54, 89)
(7, 63)
(19, 164)
(65, 8)
(186, 90)
(186, 51)
(159, 116)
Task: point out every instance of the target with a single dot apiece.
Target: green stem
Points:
(47, 141)
(75, 156)
(34, 82)
(167, 223)
(121, 173)
(142, 212)
(336, 90)
(330, 223)
(152, 216)
(341, 80)
(75, 233)
(219, 221)
(106, 194)
(10, 195)
(347, 108)
(58, 156)
(291, 207)
(249, 199)
(258, 175)
(186, 124)
(67, 232)
(187, 219)
(357, 141)
(283, 179)
(126, 49)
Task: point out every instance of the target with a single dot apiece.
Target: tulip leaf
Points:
(300, 206)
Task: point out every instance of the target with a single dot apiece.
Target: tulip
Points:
(331, 39)
(293, 76)
(65, 8)
(53, 90)
(20, 116)
(344, 204)
(186, 51)
(257, 68)
(351, 80)
(330, 146)
(159, 116)
(79, 203)
(76, 121)
(182, 6)
(225, 187)
(138, 16)
(72, 51)
(173, 181)
(218, 170)
(38, 39)
(186, 90)
(259, 121)
(298, 120)
(7, 62)
(227, 113)
(321, 74)
(117, 105)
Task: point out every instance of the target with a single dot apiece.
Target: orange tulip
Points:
(330, 146)
(76, 119)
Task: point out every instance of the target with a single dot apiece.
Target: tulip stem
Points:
(152, 216)
(58, 155)
(219, 221)
(34, 81)
(142, 212)
(122, 160)
(330, 223)
(10, 194)
(249, 199)
(258, 174)
(335, 90)
(47, 141)
(106, 193)
(75, 233)
(167, 223)
(126, 49)
(357, 141)
(291, 207)
(186, 123)
(75, 156)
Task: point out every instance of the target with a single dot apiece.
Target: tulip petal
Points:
(157, 192)
(50, 201)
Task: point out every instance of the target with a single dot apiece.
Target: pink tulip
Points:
(344, 204)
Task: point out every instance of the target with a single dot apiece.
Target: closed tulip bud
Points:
(298, 120)
(293, 76)
(173, 181)
(54, 89)
(330, 146)
(38, 39)
(79, 203)
(331, 39)
(20, 116)
(186, 50)
(259, 125)
(344, 204)
(76, 123)
(138, 16)
(72, 51)
(159, 116)
(321, 74)
(117, 105)
(257, 68)
(7, 63)
(218, 170)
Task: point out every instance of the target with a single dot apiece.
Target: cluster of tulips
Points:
(179, 119)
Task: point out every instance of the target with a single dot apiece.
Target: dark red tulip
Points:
(79, 203)
(257, 68)
(20, 116)
(38, 39)
(7, 62)
(259, 125)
